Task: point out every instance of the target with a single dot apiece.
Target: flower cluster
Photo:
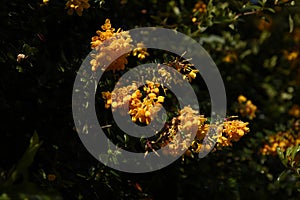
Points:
(109, 45)
(140, 51)
(199, 8)
(45, 2)
(233, 130)
(101, 36)
(246, 107)
(295, 111)
(77, 6)
(281, 140)
(143, 110)
(225, 133)
(179, 134)
(107, 97)
(290, 56)
(184, 67)
(230, 57)
(119, 97)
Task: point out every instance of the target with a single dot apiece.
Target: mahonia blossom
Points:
(230, 57)
(77, 5)
(184, 67)
(45, 2)
(109, 44)
(199, 8)
(140, 51)
(107, 32)
(119, 97)
(283, 140)
(143, 110)
(290, 56)
(246, 107)
(226, 133)
(179, 133)
(233, 130)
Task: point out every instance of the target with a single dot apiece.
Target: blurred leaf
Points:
(291, 23)
(282, 157)
(26, 160)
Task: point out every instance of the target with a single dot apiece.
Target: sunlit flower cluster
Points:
(45, 2)
(109, 45)
(119, 97)
(281, 140)
(142, 110)
(230, 57)
(77, 5)
(113, 47)
(180, 132)
(199, 8)
(184, 67)
(107, 97)
(140, 51)
(226, 133)
(290, 56)
(101, 36)
(246, 107)
(233, 130)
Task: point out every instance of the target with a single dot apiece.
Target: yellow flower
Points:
(144, 110)
(232, 131)
(77, 5)
(107, 32)
(242, 99)
(107, 97)
(45, 2)
(246, 107)
(283, 140)
(160, 99)
(200, 7)
(109, 44)
(140, 51)
(295, 111)
(291, 55)
(230, 57)
(191, 75)
(121, 97)
(152, 95)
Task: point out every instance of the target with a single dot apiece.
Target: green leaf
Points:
(294, 151)
(282, 157)
(291, 23)
(26, 160)
(283, 176)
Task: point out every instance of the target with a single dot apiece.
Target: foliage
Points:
(255, 45)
